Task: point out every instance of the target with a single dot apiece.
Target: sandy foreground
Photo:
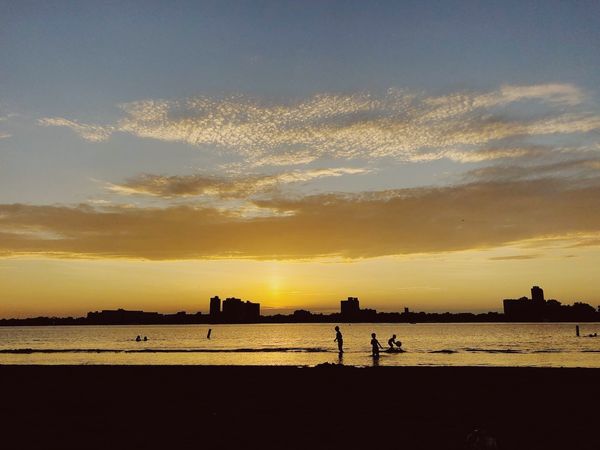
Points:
(330, 407)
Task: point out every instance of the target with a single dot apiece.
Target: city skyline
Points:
(429, 157)
(235, 310)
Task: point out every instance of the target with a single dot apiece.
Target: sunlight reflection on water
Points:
(544, 345)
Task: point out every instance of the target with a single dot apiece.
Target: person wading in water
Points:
(339, 339)
(375, 345)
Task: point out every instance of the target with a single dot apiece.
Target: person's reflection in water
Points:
(375, 361)
(341, 358)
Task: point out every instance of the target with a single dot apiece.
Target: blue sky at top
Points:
(74, 56)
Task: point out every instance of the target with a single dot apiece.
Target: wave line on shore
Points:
(27, 351)
(492, 350)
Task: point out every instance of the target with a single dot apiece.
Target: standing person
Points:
(375, 345)
(339, 339)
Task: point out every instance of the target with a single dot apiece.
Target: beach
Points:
(324, 407)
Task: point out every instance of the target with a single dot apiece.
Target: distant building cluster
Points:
(234, 310)
(350, 311)
(127, 317)
(230, 310)
(537, 309)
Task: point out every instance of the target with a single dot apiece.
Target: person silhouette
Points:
(392, 341)
(339, 339)
(375, 345)
(138, 338)
(145, 338)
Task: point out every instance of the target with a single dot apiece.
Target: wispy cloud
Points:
(92, 133)
(421, 220)
(4, 118)
(223, 187)
(514, 257)
(406, 125)
(497, 153)
(580, 169)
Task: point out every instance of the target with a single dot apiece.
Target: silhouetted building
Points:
(215, 307)
(350, 308)
(302, 315)
(236, 310)
(122, 316)
(521, 310)
(351, 312)
(538, 309)
(537, 294)
(529, 310)
(367, 315)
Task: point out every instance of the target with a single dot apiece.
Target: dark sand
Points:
(95, 407)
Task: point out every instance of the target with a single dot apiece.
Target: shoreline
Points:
(327, 406)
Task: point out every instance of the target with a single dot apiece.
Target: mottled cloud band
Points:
(405, 125)
(422, 220)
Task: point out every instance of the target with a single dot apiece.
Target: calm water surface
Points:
(545, 345)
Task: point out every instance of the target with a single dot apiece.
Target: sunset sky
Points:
(436, 155)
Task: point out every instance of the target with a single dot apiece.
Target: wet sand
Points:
(159, 407)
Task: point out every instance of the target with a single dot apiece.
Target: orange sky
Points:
(474, 280)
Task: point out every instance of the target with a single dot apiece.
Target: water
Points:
(540, 345)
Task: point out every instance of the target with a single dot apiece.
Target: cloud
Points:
(497, 153)
(4, 119)
(586, 169)
(92, 133)
(224, 187)
(565, 94)
(405, 125)
(420, 220)
(514, 257)
(586, 242)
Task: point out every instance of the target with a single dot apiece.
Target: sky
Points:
(439, 156)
